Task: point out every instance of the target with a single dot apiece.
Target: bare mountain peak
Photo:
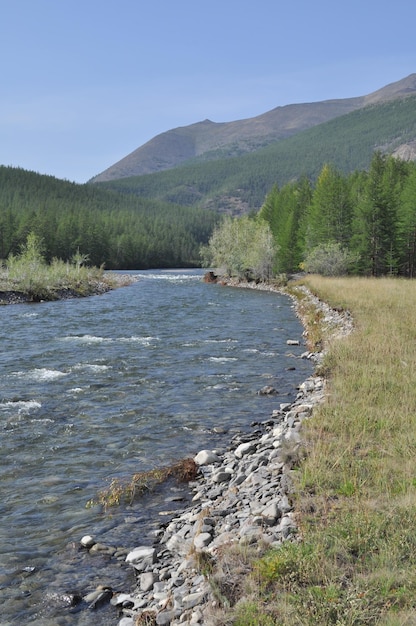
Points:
(210, 139)
(399, 89)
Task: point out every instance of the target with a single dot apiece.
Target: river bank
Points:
(194, 567)
(92, 287)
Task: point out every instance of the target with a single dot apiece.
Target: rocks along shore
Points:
(242, 496)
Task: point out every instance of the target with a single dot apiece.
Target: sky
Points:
(85, 82)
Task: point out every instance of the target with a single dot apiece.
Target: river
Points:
(102, 387)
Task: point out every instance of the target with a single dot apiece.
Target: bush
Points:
(329, 259)
(28, 273)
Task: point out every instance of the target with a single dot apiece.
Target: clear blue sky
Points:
(85, 82)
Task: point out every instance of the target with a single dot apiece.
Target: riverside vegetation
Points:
(352, 560)
(355, 490)
(26, 277)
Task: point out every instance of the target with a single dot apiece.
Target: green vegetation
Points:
(29, 277)
(329, 259)
(116, 230)
(355, 489)
(362, 223)
(240, 183)
(241, 247)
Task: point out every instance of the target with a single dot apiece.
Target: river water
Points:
(103, 387)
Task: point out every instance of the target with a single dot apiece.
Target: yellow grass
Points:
(356, 489)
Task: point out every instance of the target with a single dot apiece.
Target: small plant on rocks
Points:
(125, 491)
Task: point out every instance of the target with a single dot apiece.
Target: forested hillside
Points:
(210, 140)
(363, 223)
(120, 231)
(238, 185)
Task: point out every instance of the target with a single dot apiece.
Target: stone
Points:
(147, 580)
(141, 558)
(202, 540)
(207, 457)
(244, 448)
(284, 505)
(164, 618)
(193, 599)
(87, 541)
(268, 390)
(64, 598)
(196, 618)
(102, 549)
(286, 526)
(271, 513)
(292, 436)
(278, 431)
(222, 476)
(99, 597)
(307, 386)
(120, 598)
(178, 544)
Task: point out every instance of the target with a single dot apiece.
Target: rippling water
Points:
(104, 387)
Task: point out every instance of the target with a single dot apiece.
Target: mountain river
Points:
(102, 387)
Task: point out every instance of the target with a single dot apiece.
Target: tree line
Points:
(111, 229)
(362, 223)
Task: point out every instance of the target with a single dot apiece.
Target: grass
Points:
(355, 493)
(27, 276)
(125, 491)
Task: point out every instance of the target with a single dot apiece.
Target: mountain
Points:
(239, 184)
(209, 140)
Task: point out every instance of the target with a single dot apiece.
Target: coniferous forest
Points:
(366, 219)
(362, 223)
(370, 214)
(111, 229)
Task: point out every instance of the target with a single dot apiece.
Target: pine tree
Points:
(407, 226)
(330, 213)
(375, 237)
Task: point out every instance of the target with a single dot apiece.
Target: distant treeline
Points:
(119, 231)
(370, 214)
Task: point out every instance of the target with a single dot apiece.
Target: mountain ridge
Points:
(208, 140)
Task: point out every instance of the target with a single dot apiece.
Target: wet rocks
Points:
(207, 457)
(241, 495)
(141, 558)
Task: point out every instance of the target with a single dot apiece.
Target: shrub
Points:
(329, 259)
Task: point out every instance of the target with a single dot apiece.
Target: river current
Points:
(106, 386)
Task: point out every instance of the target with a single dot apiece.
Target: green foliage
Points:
(363, 223)
(347, 142)
(406, 226)
(29, 273)
(285, 211)
(329, 259)
(376, 217)
(330, 212)
(241, 247)
(120, 231)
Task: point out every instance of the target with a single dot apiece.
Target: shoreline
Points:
(95, 288)
(241, 499)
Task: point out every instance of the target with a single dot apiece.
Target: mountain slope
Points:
(209, 140)
(239, 184)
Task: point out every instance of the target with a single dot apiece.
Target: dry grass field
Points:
(355, 562)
